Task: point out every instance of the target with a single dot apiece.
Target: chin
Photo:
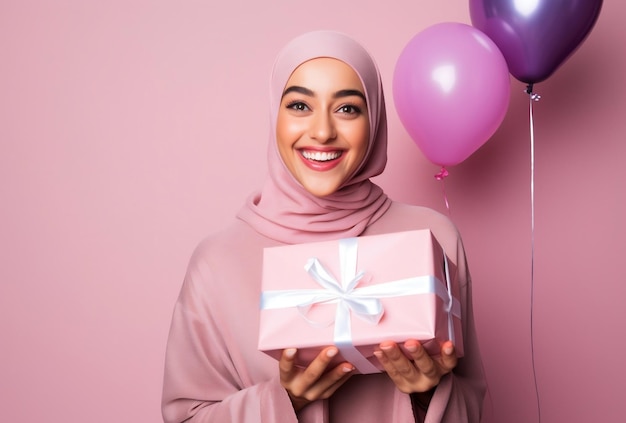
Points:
(321, 193)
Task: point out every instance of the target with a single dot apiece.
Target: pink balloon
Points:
(451, 89)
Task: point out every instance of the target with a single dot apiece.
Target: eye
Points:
(349, 109)
(297, 106)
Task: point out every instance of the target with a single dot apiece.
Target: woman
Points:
(329, 138)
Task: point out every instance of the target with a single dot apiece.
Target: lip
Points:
(321, 166)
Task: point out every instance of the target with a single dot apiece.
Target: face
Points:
(322, 127)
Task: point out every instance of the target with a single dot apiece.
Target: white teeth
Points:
(320, 156)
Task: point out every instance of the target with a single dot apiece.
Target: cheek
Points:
(286, 136)
(282, 135)
(287, 131)
(361, 141)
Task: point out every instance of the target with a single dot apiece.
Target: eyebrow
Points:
(338, 94)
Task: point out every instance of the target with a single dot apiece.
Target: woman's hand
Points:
(419, 374)
(315, 382)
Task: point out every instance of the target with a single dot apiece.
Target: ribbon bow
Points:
(364, 304)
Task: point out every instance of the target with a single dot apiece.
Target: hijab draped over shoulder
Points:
(284, 210)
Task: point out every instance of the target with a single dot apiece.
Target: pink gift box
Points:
(357, 292)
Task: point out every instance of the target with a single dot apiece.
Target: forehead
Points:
(325, 73)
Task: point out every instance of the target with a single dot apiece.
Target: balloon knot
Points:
(442, 174)
(529, 91)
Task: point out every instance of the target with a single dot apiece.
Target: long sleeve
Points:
(211, 346)
(459, 397)
(201, 385)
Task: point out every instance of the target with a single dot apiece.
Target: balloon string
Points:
(443, 173)
(532, 98)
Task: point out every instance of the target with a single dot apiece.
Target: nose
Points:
(322, 128)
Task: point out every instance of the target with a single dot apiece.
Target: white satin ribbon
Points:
(364, 302)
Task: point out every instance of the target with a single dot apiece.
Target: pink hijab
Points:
(287, 212)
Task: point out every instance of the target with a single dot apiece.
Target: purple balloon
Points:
(535, 36)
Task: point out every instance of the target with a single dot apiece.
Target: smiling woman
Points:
(322, 129)
(329, 139)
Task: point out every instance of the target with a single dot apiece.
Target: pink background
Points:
(130, 129)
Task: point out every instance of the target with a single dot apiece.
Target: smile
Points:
(321, 161)
(321, 156)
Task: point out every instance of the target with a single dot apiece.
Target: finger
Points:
(319, 364)
(383, 360)
(326, 384)
(449, 359)
(392, 351)
(286, 364)
(315, 370)
(337, 377)
(397, 360)
(422, 360)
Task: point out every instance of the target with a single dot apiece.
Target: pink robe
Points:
(214, 372)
